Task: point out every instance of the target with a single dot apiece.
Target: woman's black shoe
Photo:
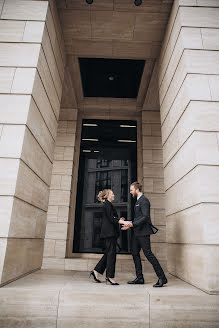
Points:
(95, 278)
(112, 283)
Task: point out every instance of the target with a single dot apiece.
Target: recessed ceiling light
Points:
(127, 126)
(96, 151)
(126, 140)
(86, 151)
(138, 2)
(87, 139)
(89, 124)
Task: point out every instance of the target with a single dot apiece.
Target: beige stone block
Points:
(151, 142)
(200, 148)
(195, 225)
(24, 10)
(44, 106)
(14, 109)
(196, 264)
(19, 54)
(198, 116)
(11, 141)
(31, 188)
(52, 213)
(156, 200)
(188, 38)
(28, 252)
(6, 204)
(159, 217)
(8, 175)
(60, 248)
(56, 230)
(199, 17)
(63, 213)
(187, 92)
(146, 129)
(199, 185)
(49, 248)
(59, 153)
(23, 80)
(6, 78)
(48, 82)
(207, 3)
(62, 167)
(35, 157)
(53, 263)
(157, 156)
(66, 140)
(148, 185)
(27, 221)
(11, 31)
(39, 129)
(150, 117)
(59, 197)
(55, 43)
(56, 182)
(153, 170)
(3, 246)
(172, 32)
(147, 156)
(66, 182)
(210, 38)
(213, 82)
(52, 63)
(33, 31)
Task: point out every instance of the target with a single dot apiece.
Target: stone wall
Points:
(31, 75)
(189, 95)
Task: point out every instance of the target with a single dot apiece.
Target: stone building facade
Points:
(177, 113)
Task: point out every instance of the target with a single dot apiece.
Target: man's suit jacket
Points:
(142, 225)
(110, 225)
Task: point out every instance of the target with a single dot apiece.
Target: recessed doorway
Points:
(108, 159)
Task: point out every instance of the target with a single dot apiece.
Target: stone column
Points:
(189, 99)
(153, 183)
(60, 195)
(32, 63)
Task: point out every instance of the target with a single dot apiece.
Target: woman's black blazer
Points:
(110, 225)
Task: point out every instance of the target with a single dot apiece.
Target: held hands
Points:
(125, 224)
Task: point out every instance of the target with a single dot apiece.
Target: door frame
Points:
(136, 116)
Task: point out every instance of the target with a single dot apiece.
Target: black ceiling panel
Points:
(111, 78)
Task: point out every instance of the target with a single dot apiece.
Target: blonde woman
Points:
(110, 233)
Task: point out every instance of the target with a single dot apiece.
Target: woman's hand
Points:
(121, 220)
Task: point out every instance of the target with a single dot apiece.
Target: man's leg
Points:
(146, 247)
(136, 257)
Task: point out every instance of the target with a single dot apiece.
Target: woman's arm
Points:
(111, 213)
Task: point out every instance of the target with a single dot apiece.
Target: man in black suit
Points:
(142, 229)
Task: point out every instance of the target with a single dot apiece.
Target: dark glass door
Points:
(105, 163)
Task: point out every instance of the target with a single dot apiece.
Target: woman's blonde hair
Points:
(103, 195)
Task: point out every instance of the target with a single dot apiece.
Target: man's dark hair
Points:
(137, 185)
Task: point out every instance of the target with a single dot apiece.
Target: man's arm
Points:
(145, 209)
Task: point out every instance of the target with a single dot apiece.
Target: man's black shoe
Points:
(161, 282)
(137, 281)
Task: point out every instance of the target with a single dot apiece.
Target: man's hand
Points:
(127, 224)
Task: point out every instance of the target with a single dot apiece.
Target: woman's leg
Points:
(111, 257)
(101, 265)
